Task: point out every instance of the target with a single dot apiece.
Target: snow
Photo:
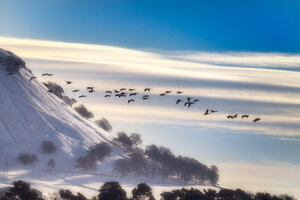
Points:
(30, 115)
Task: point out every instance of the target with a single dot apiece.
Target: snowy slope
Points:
(30, 115)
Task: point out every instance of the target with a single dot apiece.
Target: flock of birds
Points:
(131, 92)
(187, 102)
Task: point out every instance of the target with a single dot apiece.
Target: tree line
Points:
(114, 191)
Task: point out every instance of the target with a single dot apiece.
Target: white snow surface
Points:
(30, 115)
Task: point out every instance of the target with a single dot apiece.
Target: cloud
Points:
(260, 84)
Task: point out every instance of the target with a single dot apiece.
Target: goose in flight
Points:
(69, 82)
(256, 119)
(232, 116)
(116, 91)
(178, 101)
(122, 89)
(75, 91)
(190, 103)
(213, 111)
(206, 112)
(245, 116)
(90, 89)
(32, 78)
(168, 91)
(179, 92)
(131, 89)
(81, 96)
(133, 94)
(130, 100)
(108, 91)
(162, 94)
(108, 95)
(147, 89)
(189, 99)
(47, 74)
(196, 100)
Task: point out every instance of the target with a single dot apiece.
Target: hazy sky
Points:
(236, 57)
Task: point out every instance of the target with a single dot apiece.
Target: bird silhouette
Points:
(108, 91)
(179, 92)
(235, 116)
(190, 103)
(116, 91)
(256, 119)
(145, 98)
(90, 89)
(213, 111)
(108, 95)
(178, 101)
(75, 91)
(168, 91)
(196, 100)
(245, 116)
(206, 112)
(69, 82)
(81, 96)
(123, 94)
(229, 117)
(133, 94)
(122, 89)
(32, 78)
(131, 89)
(147, 89)
(162, 94)
(130, 100)
(189, 99)
(47, 74)
(118, 95)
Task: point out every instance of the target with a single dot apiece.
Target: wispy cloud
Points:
(260, 84)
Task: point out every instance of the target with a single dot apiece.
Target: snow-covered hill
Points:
(30, 115)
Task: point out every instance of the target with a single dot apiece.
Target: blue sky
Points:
(219, 51)
(259, 26)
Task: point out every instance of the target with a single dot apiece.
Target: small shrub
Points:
(104, 123)
(55, 88)
(86, 163)
(69, 101)
(27, 159)
(94, 154)
(48, 147)
(84, 112)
